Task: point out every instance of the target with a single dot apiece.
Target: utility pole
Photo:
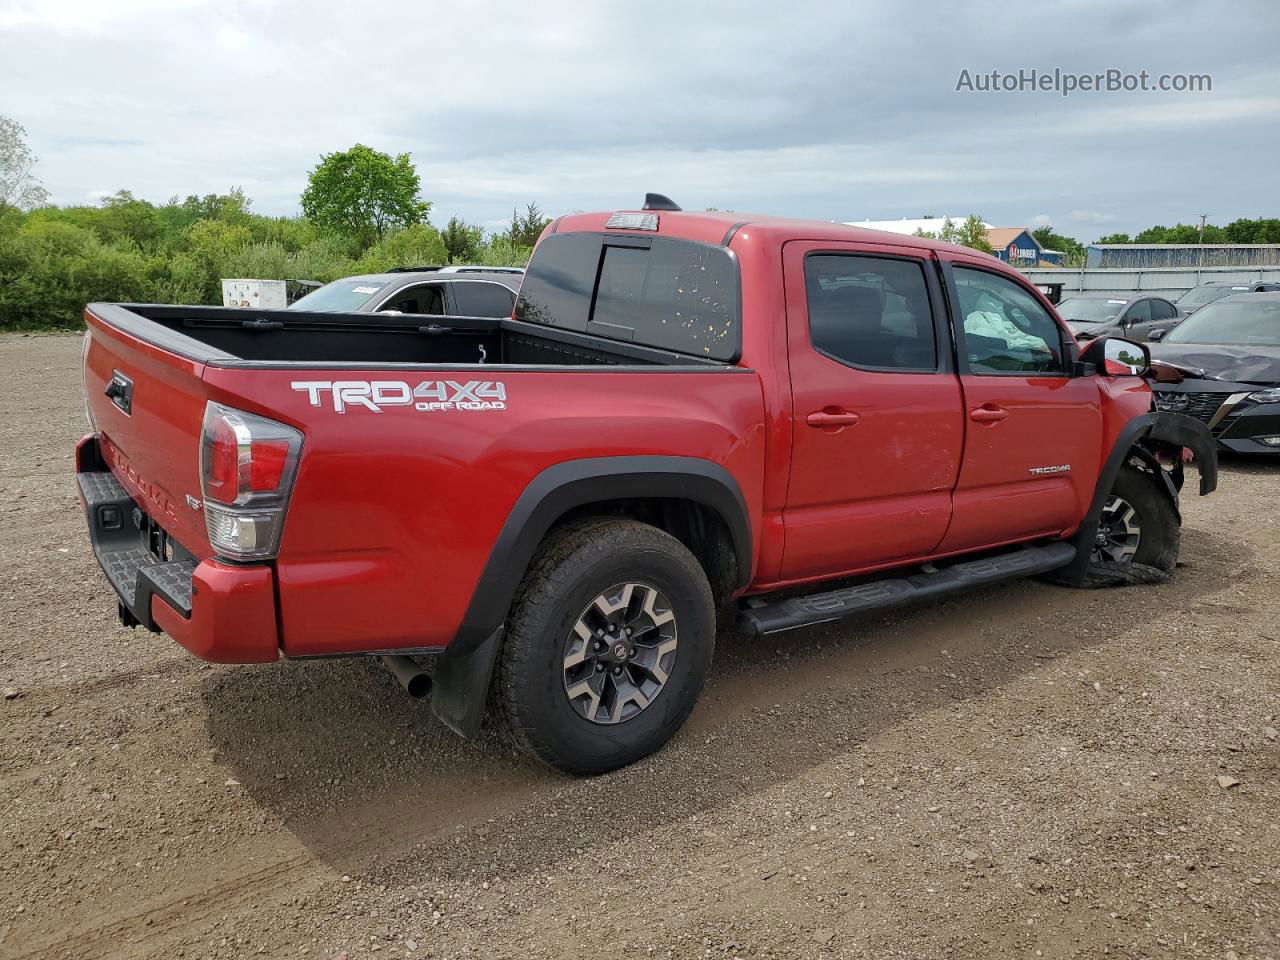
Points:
(1200, 268)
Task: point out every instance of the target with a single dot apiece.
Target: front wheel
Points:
(608, 643)
(1137, 536)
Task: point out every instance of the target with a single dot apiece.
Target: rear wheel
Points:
(1138, 533)
(608, 643)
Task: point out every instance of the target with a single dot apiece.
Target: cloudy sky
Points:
(810, 109)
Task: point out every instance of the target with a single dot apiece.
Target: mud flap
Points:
(460, 688)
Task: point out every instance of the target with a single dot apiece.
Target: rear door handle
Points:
(832, 418)
(988, 414)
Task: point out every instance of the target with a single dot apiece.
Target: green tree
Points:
(49, 270)
(501, 252)
(462, 242)
(416, 245)
(364, 193)
(526, 228)
(1181, 233)
(972, 232)
(18, 185)
(1114, 238)
(1072, 248)
(130, 221)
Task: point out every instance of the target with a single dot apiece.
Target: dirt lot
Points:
(1024, 772)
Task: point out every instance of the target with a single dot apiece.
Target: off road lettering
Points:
(428, 396)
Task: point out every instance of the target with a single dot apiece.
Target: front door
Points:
(878, 429)
(1032, 450)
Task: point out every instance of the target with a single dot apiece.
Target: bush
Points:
(54, 260)
(416, 245)
(50, 270)
(501, 252)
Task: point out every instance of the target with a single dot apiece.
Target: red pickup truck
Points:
(690, 418)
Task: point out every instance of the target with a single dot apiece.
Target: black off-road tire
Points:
(1161, 534)
(576, 565)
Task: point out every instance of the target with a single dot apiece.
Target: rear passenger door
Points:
(1137, 320)
(1034, 431)
(878, 429)
(1164, 316)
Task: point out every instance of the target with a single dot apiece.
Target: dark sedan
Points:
(1228, 357)
(1207, 293)
(1093, 315)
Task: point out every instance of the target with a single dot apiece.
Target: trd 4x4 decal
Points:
(429, 395)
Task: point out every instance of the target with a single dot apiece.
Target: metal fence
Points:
(1171, 281)
(1183, 256)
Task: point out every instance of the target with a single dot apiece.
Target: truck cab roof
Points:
(720, 227)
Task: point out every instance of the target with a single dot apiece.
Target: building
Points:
(1195, 255)
(1014, 245)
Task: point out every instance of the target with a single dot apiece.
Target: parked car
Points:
(1207, 293)
(1227, 358)
(1093, 315)
(461, 291)
(690, 416)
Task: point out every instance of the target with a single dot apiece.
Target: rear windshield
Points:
(672, 294)
(341, 296)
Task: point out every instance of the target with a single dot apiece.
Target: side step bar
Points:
(896, 592)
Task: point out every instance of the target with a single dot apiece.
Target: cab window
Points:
(870, 312)
(1006, 331)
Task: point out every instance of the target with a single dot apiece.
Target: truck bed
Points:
(229, 336)
(397, 505)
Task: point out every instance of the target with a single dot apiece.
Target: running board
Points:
(896, 592)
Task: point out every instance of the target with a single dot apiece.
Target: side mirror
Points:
(1156, 335)
(1116, 357)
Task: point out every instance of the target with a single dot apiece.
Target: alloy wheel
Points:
(620, 653)
(1119, 532)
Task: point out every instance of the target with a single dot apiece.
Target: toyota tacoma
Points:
(690, 419)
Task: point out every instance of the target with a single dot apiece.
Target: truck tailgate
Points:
(149, 425)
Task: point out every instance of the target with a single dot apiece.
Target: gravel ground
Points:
(1023, 772)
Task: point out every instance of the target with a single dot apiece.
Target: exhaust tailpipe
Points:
(415, 680)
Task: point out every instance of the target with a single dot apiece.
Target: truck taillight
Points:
(247, 466)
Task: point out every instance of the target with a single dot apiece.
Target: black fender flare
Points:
(465, 668)
(1172, 428)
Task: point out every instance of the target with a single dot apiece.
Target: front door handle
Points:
(832, 417)
(988, 414)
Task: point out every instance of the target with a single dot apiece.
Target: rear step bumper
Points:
(218, 611)
(896, 592)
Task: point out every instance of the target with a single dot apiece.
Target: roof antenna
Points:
(656, 201)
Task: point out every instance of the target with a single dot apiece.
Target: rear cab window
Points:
(675, 295)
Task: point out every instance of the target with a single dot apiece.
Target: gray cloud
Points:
(805, 108)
